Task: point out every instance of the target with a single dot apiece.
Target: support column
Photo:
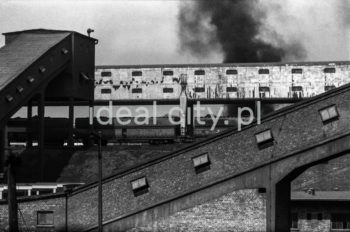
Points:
(11, 196)
(41, 137)
(29, 123)
(278, 207)
(71, 123)
(2, 151)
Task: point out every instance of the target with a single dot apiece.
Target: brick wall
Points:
(242, 210)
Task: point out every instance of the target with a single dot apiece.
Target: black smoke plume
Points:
(234, 27)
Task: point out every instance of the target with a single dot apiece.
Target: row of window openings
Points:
(338, 221)
(202, 90)
(228, 72)
(202, 163)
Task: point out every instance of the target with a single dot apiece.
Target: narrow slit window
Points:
(264, 139)
(329, 114)
(168, 73)
(199, 90)
(231, 89)
(139, 186)
(297, 71)
(264, 89)
(231, 72)
(106, 74)
(106, 91)
(199, 72)
(201, 163)
(136, 90)
(45, 218)
(329, 70)
(297, 88)
(168, 90)
(329, 87)
(264, 71)
(136, 73)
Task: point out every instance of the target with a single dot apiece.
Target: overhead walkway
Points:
(265, 157)
(43, 66)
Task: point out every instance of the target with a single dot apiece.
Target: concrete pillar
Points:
(71, 123)
(0, 195)
(29, 122)
(278, 207)
(29, 192)
(41, 137)
(54, 190)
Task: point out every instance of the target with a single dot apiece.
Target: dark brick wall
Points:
(27, 214)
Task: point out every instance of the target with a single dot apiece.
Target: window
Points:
(329, 87)
(329, 114)
(136, 73)
(294, 221)
(297, 88)
(231, 89)
(106, 74)
(168, 90)
(329, 70)
(45, 218)
(340, 221)
(139, 186)
(264, 139)
(264, 89)
(231, 72)
(199, 90)
(320, 216)
(201, 163)
(136, 90)
(264, 71)
(199, 72)
(297, 71)
(106, 91)
(308, 216)
(168, 73)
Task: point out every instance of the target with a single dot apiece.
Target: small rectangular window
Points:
(199, 72)
(106, 74)
(168, 73)
(45, 218)
(106, 91)
(297, 71)
(139, 186)
(136, 90)
(231, 72)
(264, 89)
(308, 216)
(329, 70)
(329, 114)
(329, 87)
(320, 216)
(297, 88)
(201, 163)
(136, 73)
(264, 71)
(264, 139)
(168, 90)
(231, 89)
(199, 90)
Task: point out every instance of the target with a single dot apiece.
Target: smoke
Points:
(236, 27)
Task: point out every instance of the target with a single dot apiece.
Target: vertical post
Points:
(99, 183)
(2, 151)
(71, 122)
(11, 197)
(41, 140)
(29, 123)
